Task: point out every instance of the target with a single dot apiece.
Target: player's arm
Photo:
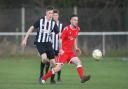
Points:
(76, 47)
(29, 32)
(24, 41)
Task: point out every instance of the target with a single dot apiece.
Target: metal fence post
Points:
(103, 44)
(22, 25)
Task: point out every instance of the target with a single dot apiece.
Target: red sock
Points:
(49, 74)
(80, 71)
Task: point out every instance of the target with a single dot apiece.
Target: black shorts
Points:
(45, 47)
(56, 52)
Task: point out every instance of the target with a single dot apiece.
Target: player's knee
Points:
(79, 62)
(44, 58)
(76, 61)
(58, 67)
(53, 63)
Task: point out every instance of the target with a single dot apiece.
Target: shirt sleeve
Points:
(36, 24)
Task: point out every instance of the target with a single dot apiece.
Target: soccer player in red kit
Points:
(68, 41)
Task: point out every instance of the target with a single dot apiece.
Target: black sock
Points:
(52, 77)
(47, 67)
(59, 74)
(42, 65)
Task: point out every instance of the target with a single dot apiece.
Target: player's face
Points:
(49, 14)
(56, 16)
(74, 21)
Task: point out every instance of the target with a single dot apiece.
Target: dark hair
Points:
(74, 15)
(49, 8)
(56, 11)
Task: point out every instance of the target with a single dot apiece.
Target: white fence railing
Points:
(80, 33)
(103, 34)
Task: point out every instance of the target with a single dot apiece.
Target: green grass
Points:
(21, 72)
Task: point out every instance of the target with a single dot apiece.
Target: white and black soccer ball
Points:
(97, 54)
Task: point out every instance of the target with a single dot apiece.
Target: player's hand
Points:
(61, 51)
(78, 51)
(24, 42)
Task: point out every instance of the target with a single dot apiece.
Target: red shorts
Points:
(66, 57)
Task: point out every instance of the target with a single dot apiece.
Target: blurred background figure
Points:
(56, 42)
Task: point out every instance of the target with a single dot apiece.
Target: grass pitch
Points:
(22, 72)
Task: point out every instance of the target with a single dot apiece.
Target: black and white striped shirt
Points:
(55, 37)
(44, 29)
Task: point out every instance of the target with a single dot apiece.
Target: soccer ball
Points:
(97, 54)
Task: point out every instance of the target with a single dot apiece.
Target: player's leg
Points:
(53, 76)
(42, 65)
(77, 62)
(51, 56)
(63, 59)
(51, 72)
(42, 52)
(59, 76)
(80, 70)
(47, 65)
(59, 72)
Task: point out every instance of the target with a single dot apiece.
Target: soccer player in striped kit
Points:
(55, 42)
(68, 42)
(44, 27)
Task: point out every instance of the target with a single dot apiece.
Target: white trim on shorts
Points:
(71, 60)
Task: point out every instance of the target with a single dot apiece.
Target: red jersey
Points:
(68, 38)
